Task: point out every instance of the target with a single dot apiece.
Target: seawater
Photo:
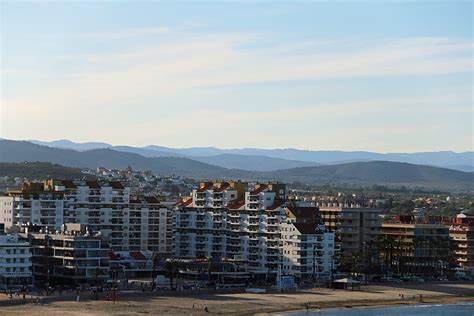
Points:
(459, 309)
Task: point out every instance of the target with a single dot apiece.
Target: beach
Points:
(239, 303)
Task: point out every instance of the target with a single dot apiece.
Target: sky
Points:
(385, 76)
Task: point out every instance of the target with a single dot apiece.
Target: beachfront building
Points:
(308, 249)
(235, 220)
(461, 233)
(231, 220)
(72, 256)
(131, 223)
(355, 226)
(15, 262)
(406, 246)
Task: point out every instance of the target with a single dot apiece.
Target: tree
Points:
(171, 270)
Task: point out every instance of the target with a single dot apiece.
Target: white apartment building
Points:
(309, 250)
(226, 220)
(15, 262)
(138, 224)
(229, 220)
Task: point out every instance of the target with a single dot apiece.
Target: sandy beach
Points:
(179, 303)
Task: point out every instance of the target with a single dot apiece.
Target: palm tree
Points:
(171, 268)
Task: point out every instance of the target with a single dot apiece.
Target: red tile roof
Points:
(93, 184)
(260, 189)
(306, 228)
(304, 212)
(116, 185)
(224, 186)
(137, 255)
(234, 205)
(187, 202)
(68, 184)
(206, 187)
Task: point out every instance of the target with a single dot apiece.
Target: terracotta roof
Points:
(112, 256)
(137, 255)
(236, 204)
(151, 199)
(304, 212)
(68, 184)
(224, 186)
(260, 189)
(93, 184)
(116, 185)
(206, 187)
(187, 202)
(306, 228)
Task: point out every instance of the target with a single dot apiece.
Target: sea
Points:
(458, 309)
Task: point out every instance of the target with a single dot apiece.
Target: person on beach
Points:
(206, 309)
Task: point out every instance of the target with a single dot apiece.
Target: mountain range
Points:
(255, 159)
(155, 159)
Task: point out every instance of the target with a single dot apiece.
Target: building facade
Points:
(235, 220)
(461, 233)
(309, 250)
(415, 248)
(355, 227)
(71, 256)
(15, 262)
(130, 222)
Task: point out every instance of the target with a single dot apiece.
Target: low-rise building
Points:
(72, 256)
(415, 248)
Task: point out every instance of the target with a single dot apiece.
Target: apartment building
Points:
(355, 226)
(130, 223)
(73, 255)
(250, 223)
(15, 262)
(230, 220)
(308, 249)
(461, 233)
(418, 248)
(32, 204)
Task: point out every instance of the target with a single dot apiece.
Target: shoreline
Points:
(443, 300)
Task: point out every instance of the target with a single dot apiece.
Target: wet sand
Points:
(179, 303)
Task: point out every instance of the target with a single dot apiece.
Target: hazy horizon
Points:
(381, 77)
(234, 148)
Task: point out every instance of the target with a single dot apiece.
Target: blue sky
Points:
(388, 77)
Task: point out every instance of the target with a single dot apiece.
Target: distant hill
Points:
(381, 172)
(371, 172)
(40, 171)
(253, 163)
(18, 151)
(460, 161)
(67, 144)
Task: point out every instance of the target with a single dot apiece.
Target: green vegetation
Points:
(40, 171)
